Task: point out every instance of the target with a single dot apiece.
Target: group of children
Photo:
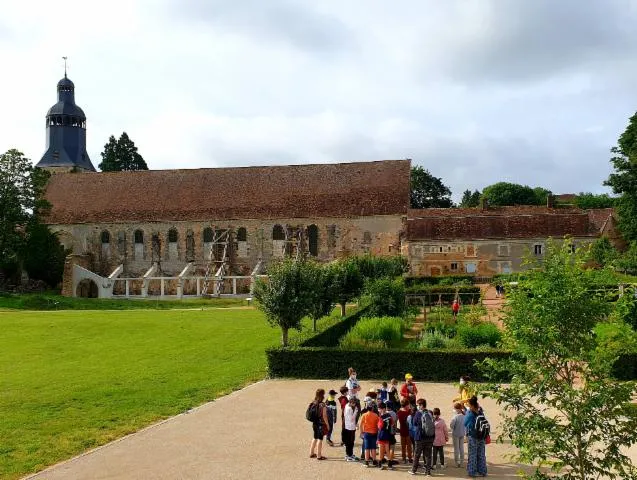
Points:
(388, 415)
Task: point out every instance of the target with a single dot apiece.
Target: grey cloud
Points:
(284, 20)
(533, 40)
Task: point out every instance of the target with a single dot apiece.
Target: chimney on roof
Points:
(550, 201)
(484, 203)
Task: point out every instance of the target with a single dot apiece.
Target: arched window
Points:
(173, 236)
(121, 243)
(208, 235)
(242, 244)
(312, 240)
(139, 244)
(106, 237)
(242, 235)
(277, 233)
(190, 246)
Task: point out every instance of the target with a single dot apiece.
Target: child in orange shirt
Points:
(369, 429)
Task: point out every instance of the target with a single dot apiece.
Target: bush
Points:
(374, 331)
(433, 340)
(385, 297)
(373, 268)
(320, 363)
(445, 328)
(473, 336)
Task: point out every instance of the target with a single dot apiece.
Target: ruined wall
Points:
(336, 237)
(474, 257)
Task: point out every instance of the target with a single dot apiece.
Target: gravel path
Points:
(259, 432)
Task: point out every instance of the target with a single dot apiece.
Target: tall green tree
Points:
(505, 193)
(563, 409)
(322, 292)
(121, 155)
(286, 297)
(348, 281)
(469, 199)
(603, 253)
(428, 191)
(21, 187)
(624, 180)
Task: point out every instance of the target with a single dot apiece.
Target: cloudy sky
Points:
(534, 92)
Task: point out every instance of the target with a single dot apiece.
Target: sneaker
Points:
(411, 472)
(355, 458)
(405, 461)
(350, 459)
(366, 464)
(330, 443)
(442, 467)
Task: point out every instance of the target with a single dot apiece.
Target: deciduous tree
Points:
(470, 200)
(323, 298)
(624, 180)
(348, 281)
(286, 296)
(505, 193)
(563, 411)
(428, 191)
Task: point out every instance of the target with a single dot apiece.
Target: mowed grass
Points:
(73, 380)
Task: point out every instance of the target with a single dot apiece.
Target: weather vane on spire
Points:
(65, 59)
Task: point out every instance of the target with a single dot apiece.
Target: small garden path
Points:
(416, 327)
(492, 303)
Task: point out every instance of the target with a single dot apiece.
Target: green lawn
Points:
(48, 301)
(72, 380)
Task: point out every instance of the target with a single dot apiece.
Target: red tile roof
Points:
(503, 222)
(295, 191)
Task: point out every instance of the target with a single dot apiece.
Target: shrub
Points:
(376, 331)
(433, 340)
(444, 328)
(485, 333)
(442, 280)
(386, 297)
(373, 268)
(331, 336)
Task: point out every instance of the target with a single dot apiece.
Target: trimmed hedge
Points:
(331, 336)
(433, 365)
(432, 293)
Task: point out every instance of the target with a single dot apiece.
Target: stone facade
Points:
(475, 257)
(132, 245)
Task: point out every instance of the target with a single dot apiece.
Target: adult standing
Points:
(319, 425)
(476, 458)
(353, 387)
(409, 387)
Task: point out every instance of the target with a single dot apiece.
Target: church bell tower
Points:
(66, 133)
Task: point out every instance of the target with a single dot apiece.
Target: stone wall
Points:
(67, 281)
(112, 244)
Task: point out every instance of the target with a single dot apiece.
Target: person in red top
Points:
(409, 387)
(455, 308)
(405, 441)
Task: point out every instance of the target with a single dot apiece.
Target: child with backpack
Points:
(424, 434)
(369, 429)
(440, 440)
(331, 415)
(385, 429)
(458, 432)
(478, 429)
(317, 414)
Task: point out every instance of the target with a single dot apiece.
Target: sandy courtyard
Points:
(259, 432)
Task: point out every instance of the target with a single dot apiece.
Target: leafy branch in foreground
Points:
(562, 409)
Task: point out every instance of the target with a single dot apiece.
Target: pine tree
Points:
(121, 155)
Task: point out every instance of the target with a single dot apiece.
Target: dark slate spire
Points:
(66, 132)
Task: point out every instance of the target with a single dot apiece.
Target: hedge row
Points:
(446, 294)
(321, 362)
(409, 281)
(331, 336)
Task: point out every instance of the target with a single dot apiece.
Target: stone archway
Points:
(87, 288)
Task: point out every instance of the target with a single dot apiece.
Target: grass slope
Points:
(72, 380)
